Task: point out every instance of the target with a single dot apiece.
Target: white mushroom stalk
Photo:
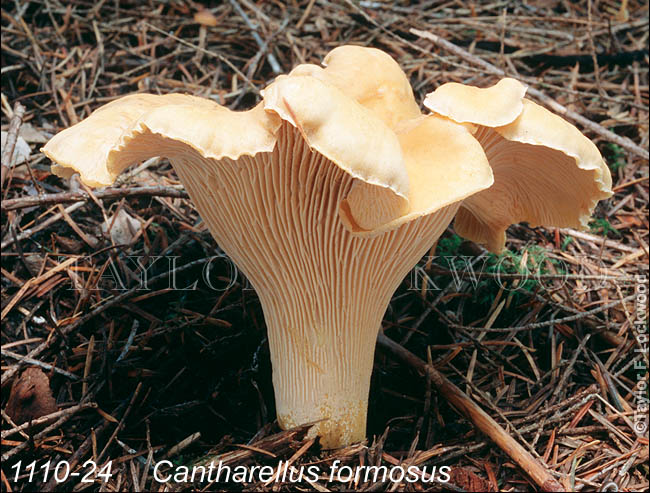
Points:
(329, 191)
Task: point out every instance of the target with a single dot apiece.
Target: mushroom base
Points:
(322, 365)
(339, 420)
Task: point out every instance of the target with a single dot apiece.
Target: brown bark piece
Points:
(466, 479)
(30, 397)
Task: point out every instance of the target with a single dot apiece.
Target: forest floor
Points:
(137, 376)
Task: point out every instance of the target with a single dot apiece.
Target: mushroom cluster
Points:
(332, 188)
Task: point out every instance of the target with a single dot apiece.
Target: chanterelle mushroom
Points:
(331, 189)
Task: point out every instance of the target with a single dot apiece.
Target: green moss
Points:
(565, 242)
(449, 246)
(615, 157)
(602, 227)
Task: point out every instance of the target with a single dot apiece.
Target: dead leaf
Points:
(32, 135)
(30, 397)
(626, 221)
(34, 263)
(123, 227)
(70, 245)
(22, 151)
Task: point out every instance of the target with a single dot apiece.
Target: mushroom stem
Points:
(323, 289)
(321, 372)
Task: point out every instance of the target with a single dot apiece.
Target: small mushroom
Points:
(545, 171)
(325, 195)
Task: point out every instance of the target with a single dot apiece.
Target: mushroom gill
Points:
(323, 290)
